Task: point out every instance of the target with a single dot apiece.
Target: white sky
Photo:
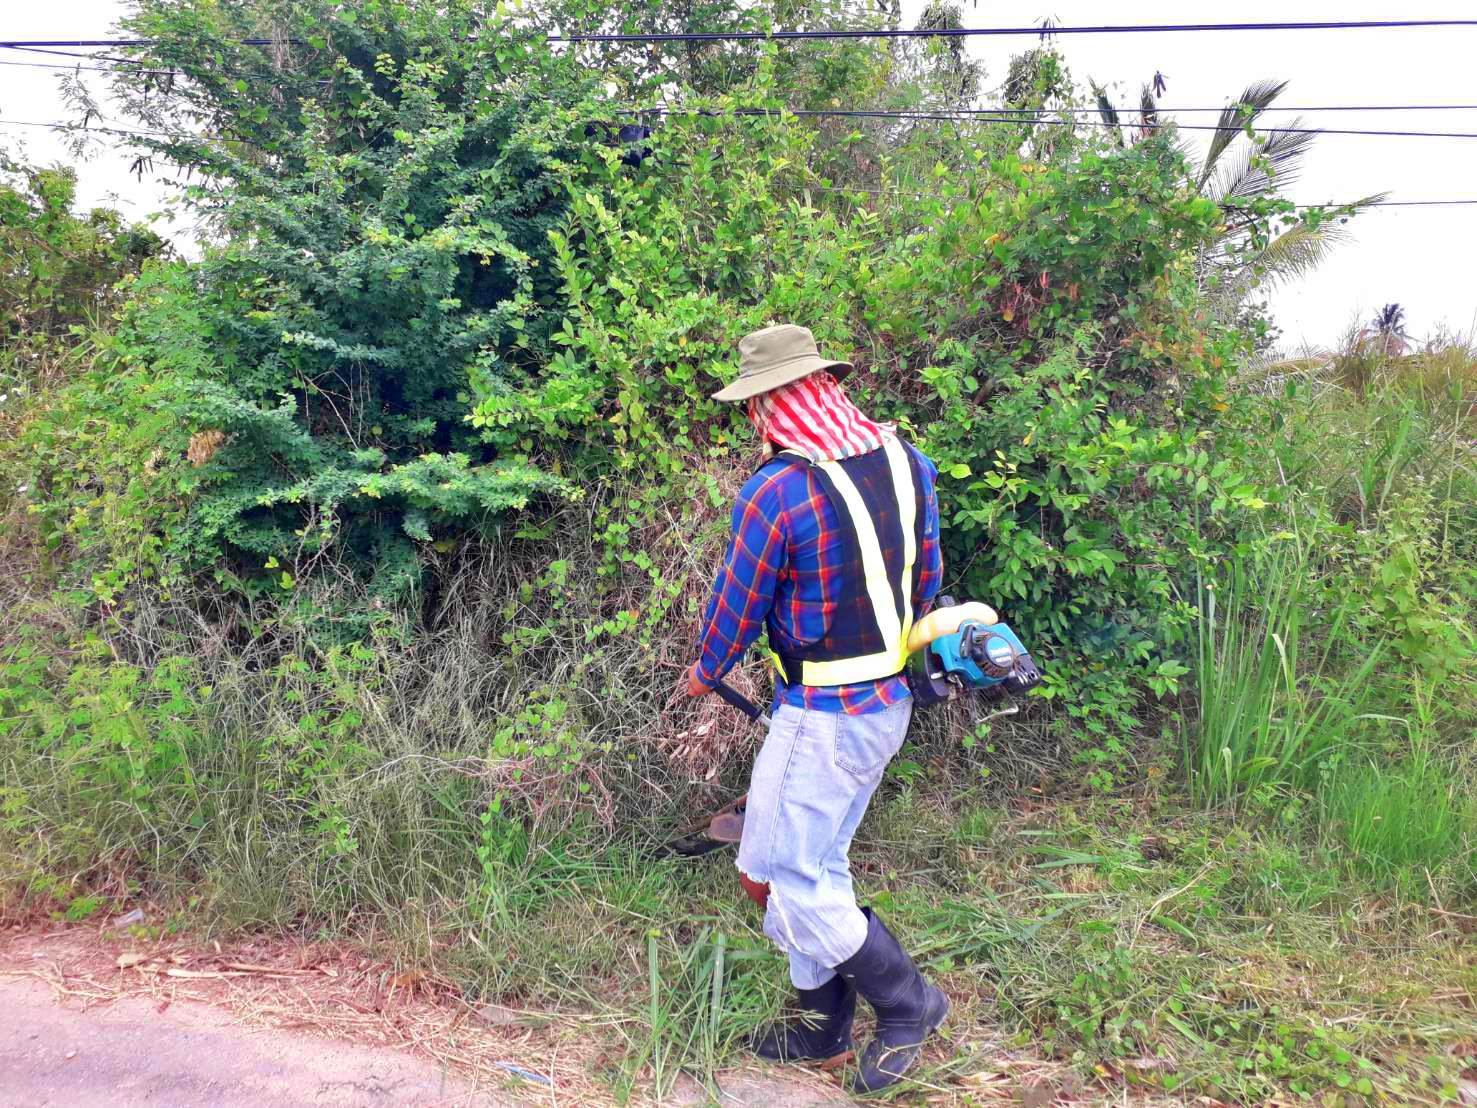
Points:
(1413, 256)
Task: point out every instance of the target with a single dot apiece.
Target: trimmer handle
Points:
(736, 699)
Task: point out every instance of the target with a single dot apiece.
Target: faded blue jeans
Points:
(812, 782)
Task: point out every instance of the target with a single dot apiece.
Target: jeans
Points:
(812, 782)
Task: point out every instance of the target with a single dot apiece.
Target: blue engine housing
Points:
(982, 657)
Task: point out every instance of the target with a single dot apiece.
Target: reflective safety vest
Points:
(877, 498)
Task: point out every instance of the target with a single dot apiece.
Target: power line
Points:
(98, 130)
(68, 68)
(79, 57)
(24, 44)
(1041, 30)
(992, 116)
(129, 72)
(1130, 109)
(1170, 109)
(1300, 207)
(1003, 111)
(179, 74)
(1399, 204)
(916, 116)
(822, 188)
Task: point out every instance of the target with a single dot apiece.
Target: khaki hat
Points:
(776, 356)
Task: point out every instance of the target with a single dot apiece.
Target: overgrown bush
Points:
(455, 321)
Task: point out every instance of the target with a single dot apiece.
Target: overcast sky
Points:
(1418, 257)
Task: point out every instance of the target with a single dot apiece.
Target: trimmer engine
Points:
(980, 656)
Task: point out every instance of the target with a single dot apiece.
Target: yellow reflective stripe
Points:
(850, 671)
(907, 506)
(894, 628)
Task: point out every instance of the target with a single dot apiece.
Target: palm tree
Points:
(1235, 170)
(1386, 331)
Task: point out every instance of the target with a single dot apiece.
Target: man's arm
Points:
(744, 590)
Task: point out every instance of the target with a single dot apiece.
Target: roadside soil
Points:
(91, 1018)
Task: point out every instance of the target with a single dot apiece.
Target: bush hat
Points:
(776, 356)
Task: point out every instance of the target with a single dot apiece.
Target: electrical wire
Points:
(1134, 109)
(980, 116)
(821, 188)
(1300, 207)
(70, 68)
(79, 57)
(98, 130)
(92, 43)
(1011, 112)
(1399, 204)
(1043, 31)
(760, 113)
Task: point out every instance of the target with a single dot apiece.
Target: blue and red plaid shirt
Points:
(784, 557)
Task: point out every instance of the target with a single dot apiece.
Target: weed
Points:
(1267, 716)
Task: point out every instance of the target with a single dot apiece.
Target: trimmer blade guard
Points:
(723, 828)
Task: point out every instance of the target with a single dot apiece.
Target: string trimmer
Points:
(956, 649)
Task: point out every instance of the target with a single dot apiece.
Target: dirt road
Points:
(83, 1026)
(126, 1053)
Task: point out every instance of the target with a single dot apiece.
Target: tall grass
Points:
(1401, 821)
(1269, 714)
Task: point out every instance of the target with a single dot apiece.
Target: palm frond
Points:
(1148, 109)
(1108, 112)
(1297, 251)
(1266, 168)
(1254, 100)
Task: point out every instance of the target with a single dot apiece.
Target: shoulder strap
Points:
(782, 460)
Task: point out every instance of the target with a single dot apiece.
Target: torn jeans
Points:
(812, 782)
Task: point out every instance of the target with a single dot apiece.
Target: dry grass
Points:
(342, 993)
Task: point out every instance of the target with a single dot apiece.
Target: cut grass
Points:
(1150, 948)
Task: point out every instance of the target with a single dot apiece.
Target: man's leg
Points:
(811, 785)
(908, 1008)
(807, 972)
(825, 1001)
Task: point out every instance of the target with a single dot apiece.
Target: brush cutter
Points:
(725, 826)
(956, 648)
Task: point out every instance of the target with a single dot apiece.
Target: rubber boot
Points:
(908, 1008)
(822, 1032)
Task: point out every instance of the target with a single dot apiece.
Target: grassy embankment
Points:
(1283, 902)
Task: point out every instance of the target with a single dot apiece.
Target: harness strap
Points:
(891, 601)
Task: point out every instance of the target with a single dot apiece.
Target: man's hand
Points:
(695, 685)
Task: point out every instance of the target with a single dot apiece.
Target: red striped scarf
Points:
(812, 417)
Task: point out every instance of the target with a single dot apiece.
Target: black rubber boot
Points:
(822, 1032)
(908, 1008)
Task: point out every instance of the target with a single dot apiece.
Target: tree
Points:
(59, 268)
(1386, 331)
(1265, 241)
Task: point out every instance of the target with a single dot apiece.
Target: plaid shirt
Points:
(783, 560)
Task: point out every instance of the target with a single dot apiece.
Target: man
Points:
(835, 551)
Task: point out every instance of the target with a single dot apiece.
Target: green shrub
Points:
(392, 250)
